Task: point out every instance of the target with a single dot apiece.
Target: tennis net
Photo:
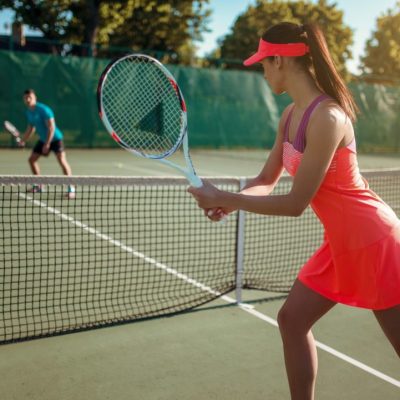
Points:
(131, 248)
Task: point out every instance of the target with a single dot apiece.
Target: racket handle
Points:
(195, 181)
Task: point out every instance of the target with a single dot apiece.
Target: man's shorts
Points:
(57, 147)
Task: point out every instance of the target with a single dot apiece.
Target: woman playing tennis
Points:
(358, 263)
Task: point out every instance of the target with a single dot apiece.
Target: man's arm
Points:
(51, 126)
(27, 134)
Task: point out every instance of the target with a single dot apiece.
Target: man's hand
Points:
(46, 149)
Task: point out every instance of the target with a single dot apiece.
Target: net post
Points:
(240, 248)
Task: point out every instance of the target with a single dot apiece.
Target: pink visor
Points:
(266, 49)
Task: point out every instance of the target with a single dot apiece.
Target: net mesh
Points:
(123, 249)
(131, 248)
(142, 106)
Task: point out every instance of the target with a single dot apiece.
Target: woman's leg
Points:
(301, 310)
(389, 321)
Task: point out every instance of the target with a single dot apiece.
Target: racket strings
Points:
(122, 120)
(143, 106)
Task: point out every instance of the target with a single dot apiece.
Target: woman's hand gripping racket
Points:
(10, 128)
(142, 107)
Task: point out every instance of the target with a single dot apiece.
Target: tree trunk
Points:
(91, 28)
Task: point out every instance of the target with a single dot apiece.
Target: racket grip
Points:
(195, 181)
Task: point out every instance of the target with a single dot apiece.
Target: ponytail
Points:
(326, 74)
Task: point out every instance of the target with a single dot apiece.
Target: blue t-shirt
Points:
(38, 118)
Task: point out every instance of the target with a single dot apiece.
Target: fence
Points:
(226, 108)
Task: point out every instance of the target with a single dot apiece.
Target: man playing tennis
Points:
(358, 263)
(41, 119)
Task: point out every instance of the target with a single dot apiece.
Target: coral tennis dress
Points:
(359, 261)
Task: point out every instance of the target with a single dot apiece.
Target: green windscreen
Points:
(226, 109)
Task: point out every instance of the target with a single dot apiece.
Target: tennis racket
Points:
(142, 108)
(10, 128)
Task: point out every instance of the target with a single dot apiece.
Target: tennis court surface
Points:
(137, 249)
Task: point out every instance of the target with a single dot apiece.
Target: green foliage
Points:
(250, 26)
(163, 25)
(50, 17)
(382, 59)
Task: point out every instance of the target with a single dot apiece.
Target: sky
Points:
(359, 15)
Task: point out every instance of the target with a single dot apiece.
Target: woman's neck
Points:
(302, 88)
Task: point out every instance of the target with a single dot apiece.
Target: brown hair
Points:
(29, 91)
(319, 61)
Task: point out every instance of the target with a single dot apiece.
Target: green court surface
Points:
(218, 351)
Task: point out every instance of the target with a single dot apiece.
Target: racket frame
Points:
(12, 130)
(183, 141)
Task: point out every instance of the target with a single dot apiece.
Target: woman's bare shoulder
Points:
(329, 113)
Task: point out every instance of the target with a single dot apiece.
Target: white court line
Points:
(245, 307)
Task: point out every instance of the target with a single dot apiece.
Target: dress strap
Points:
(299, 141)
(287, 124)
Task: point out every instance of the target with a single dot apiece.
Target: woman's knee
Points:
(302, 309)
(291, 322)
(287, 320)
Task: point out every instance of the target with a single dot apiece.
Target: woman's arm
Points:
(266, 180)
(323, 137)
(263, 184)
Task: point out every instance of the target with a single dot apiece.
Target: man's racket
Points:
(10, 128)
(142, 107)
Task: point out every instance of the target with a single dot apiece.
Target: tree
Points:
(166, 26)
(250, 25)
(382, 59)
